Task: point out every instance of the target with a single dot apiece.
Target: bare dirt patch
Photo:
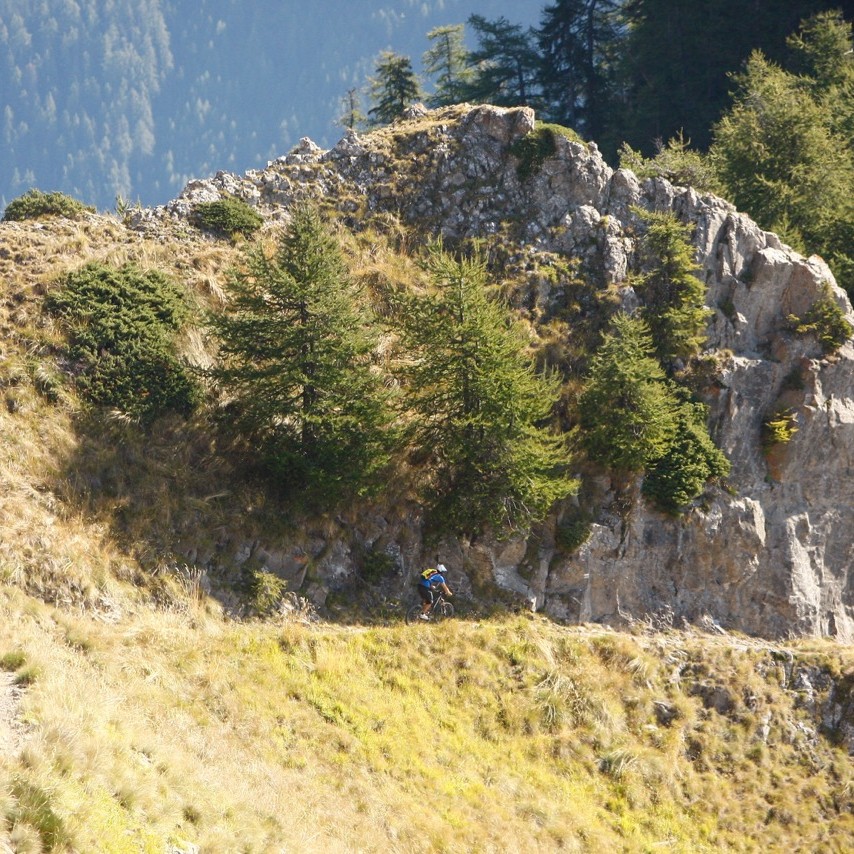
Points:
(11, 727)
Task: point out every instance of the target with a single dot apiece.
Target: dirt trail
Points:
(11, 729)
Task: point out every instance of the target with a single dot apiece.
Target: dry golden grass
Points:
(148, 721)
(515, 735)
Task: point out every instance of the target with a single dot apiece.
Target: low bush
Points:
(34, 204)
(826, 321)
(121, 324)
(535, 148)
(228, 216)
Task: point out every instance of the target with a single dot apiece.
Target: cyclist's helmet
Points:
(441, 568)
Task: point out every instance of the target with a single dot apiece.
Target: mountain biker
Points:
(431, 580)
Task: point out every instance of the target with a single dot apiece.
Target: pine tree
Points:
(447, 60)
(691, 460)
(673, 297)
(785, 151)
(393, 89)
(505, 65)
(352, 117)
(627, 408)
(576, 40)
(295, 361)
(480, 406)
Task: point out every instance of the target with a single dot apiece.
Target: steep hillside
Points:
(161, 690)
(770, 552)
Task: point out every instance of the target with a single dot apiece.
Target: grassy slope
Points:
(146, 719)
(510, 735)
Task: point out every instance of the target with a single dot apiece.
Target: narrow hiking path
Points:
(11, 728)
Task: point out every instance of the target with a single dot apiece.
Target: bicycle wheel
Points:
(412, 615)
(444, 611)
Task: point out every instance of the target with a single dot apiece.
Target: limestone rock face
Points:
(768, 555)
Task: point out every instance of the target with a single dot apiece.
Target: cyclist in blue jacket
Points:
(431, 580)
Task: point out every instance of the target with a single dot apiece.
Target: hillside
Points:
(156, 696)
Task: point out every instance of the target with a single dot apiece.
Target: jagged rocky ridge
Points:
(769, 555)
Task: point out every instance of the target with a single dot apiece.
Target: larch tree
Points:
(577, 39)
(673, 297)
(785, 151)
(394, 87)
(480, 409)
(505, 64)
(447, 60)
(627, 409)
(295, 363)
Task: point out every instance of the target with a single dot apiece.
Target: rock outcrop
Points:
(768, 555)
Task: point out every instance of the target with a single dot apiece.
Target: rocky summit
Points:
(769, 552)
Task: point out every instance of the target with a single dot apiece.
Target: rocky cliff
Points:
(770, 553)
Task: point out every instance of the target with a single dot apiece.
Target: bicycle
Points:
(441, 609)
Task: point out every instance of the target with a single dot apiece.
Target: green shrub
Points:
(826, 321)
(264, 591)
(32, 806)
(779, 428)
(12, 660)
(121, 324)
(691, 460)
(376, 565)
(573, 533)
(536, 147)
(227, 216)
(34, 204)
(674, 161)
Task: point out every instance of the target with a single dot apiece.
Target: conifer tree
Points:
(690, 461)
(352, 117)
(576, 40)
(673, 297)
(505, 65)
(447, 60)
(393, 88)
(295, 361)
(785, 150)
(627, 408)
(480, 407)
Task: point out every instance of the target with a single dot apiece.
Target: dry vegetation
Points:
(140, 718)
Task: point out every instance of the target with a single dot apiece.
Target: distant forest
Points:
(131, 99)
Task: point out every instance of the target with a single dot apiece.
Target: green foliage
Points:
(121, 325)
(12, 660)
(228, 216)
(784, 150)
(447, 60)
(675, 161)
(577, 42)
(536, 147)
(627, 409)
(826, 320)
(33, 806)
(393, 88)
(264, 591)
(352, 117)
(692, 459)
(35, 204)
(673, 297)
(779, 428)
(295, 359)
(572, 533)
(506, 65)
(377, 565)
(478, 404)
